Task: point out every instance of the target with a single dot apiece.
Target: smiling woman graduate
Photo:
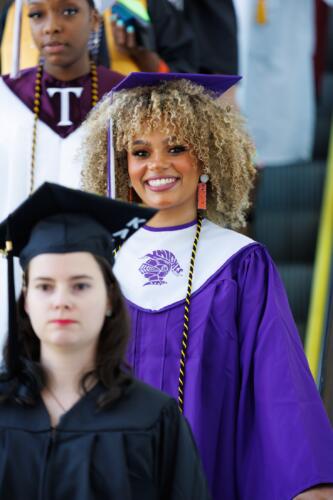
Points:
(74, 424)
(211, 323)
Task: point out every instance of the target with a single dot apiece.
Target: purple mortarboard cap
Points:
(218, 84)
(214, 83)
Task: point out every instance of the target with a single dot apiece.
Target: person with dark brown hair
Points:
(74, 423)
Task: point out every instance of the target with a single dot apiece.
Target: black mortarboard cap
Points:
(56, 219)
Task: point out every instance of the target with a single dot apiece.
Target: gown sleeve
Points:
(180, 468)
(215, 27)
(173, 37)
(284, 441)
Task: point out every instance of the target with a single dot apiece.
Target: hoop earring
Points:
(202, 192)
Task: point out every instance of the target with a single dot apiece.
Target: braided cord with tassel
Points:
(185, 335)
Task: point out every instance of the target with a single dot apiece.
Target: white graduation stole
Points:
(152, 266)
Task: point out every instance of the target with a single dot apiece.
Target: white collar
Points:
(152, 266)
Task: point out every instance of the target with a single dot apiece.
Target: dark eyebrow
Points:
(140, 141)
(81, 277)
(72, 278)
(42, 278)
(66, 3)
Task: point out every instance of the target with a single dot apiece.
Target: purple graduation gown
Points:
(249, 395)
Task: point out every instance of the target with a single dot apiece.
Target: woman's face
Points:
(66, 300)
(61, 29)
(163, 172)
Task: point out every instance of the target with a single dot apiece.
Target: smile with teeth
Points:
(161, 181)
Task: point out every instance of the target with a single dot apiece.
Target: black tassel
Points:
(13, 342)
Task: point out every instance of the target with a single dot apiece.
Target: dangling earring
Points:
(202, 192)
(96, 39)
(108, 313)
(93, 43)
(130, 194)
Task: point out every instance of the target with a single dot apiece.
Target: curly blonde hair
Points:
(186, 111)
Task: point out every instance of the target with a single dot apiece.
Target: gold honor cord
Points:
(185, 335)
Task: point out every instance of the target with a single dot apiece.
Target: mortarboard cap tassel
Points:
(13, 347)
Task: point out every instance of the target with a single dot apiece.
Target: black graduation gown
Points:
(140, 449)
(215, 26)
(174, 37)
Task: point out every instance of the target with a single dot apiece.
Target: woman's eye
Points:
(34, 15)
(81, 286)
(140, 153)
(178, 149)
(70, 11)
(44, 287)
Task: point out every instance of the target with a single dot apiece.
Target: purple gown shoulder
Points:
(249, 395)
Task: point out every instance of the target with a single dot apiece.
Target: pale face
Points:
(61, 29)
(163, 173)
(66, 300)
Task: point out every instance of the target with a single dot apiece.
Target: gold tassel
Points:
(261, 16)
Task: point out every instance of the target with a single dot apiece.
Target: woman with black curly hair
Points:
(211, 323)
(74, 423)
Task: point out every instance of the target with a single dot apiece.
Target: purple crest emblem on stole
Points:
(158, 265)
